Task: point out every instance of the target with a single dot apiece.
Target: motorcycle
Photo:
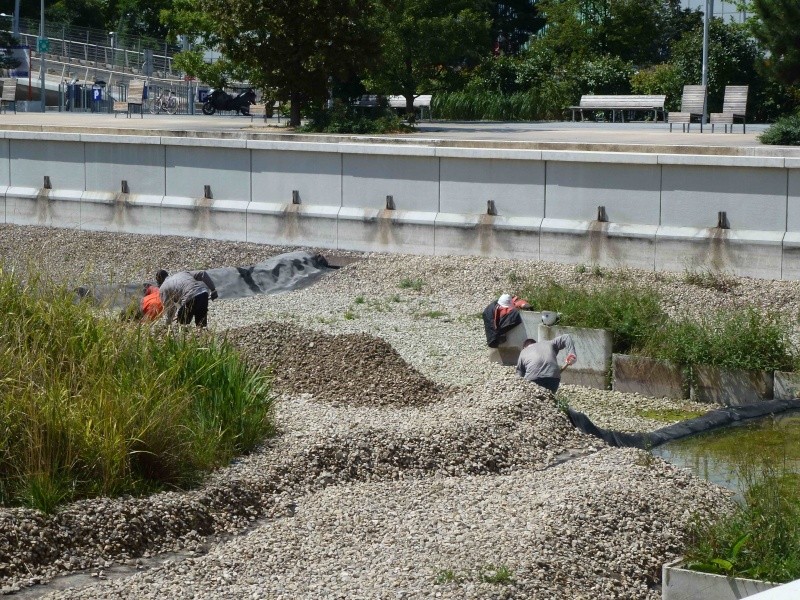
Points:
(221, 100)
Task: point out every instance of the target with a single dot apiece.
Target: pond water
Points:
(724, 456)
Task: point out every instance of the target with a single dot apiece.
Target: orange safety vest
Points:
(151, 304)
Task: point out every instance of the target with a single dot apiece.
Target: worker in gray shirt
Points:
(538, 362)
(186, 295)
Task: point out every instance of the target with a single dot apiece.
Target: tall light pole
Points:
(707, 16)
(15, 20)
(42, 68)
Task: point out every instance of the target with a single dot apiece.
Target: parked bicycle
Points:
(166, 102)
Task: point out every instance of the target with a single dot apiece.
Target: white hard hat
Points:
(505, 301)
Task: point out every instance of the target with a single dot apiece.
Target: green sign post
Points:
(42, 44)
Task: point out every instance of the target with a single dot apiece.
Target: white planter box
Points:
(682, 584)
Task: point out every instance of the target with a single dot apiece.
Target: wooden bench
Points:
(134, 97)
(9, 94)
(260, 110)
(734, 106)
(421, 102)
(620, 103)
(693, 104)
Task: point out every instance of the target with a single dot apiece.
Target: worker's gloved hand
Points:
(214, 295)
(571, 358)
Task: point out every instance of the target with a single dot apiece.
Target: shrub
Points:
(343, 118)
(91, 406)
(629, 311)
(784, 132)
(660, 79)
(742, 339)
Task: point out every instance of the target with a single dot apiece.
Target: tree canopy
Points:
(778, 28)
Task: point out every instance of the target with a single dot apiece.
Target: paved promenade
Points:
(602, 136)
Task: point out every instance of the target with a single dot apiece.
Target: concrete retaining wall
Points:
(656, 211)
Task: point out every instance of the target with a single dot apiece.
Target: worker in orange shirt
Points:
(151, 305)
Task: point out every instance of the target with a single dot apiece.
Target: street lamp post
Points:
(42, 68)
(707, 16)
(15, 20)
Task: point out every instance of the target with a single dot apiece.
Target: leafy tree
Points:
(425, 43)
(290, 48)
(778, 28)
(513, 24)
(733, 59)
(82, 13)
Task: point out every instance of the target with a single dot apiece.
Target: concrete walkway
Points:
(608, 137)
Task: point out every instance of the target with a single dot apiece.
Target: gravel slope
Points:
(402, 453)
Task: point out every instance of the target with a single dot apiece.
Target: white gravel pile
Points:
(476, 472)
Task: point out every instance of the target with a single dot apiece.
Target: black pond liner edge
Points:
(711, 420)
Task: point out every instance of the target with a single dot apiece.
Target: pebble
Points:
(405, 464)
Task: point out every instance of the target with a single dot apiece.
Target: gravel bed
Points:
(433, 460)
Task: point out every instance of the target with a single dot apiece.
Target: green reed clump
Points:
(629, 312)
(745, 339)
(760, 538)
(91, 406)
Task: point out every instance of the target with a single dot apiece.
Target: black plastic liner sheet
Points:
(711, 420)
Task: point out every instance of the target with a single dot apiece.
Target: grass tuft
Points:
(412, 284)
(91, 406)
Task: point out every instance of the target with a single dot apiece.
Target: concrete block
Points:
(371, 230)
(189, 169)
(487, 235)
(128, 213)
(31, 161)
(752, 198)
(787, 591)
(730, 388)
(140, 165)
(598, 243)
(678, 583)
(388, 150)
(317, 177)
(793, 201)
(787, 385)
(507, 353)
(292, 224)
(488, 153)
(630, 193)
(516, 187)
(593, 347)
(5, 164)
(3, 189)
(758, 254)
(115, 138)
(49, 208)
(573, 156)
(711, 160)
(412, 181)
(203, 217)
(648, 377)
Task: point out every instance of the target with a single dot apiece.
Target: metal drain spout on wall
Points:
(390, 203)
(295, 197)
(207, 192)
(722, 220)
(602, 215)
(47, 185)
(124, 187)
(491, 209)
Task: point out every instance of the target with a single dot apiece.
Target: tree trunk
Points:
(410, 108)
(294, 115)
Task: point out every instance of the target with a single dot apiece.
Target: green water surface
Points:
(723, 455)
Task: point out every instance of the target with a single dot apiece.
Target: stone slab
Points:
(32, 160)
(682, 584)
(787, 385)
(317, 177)
(140, 165)
(201, 217)
(507, 353)
(487, 235)
(596, 243)
(125, 213)
(648, 377)
(412, 181)
(189, 169)
(292, 224)
(31, 206)
(593, 348)
(730, 388)
(788, 591)
(372, 230)
(758, 254)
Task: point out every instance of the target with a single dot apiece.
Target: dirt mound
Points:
(356, 369)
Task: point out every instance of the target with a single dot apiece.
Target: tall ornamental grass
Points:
(90, 406)
(535, 105)
(628, 311)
